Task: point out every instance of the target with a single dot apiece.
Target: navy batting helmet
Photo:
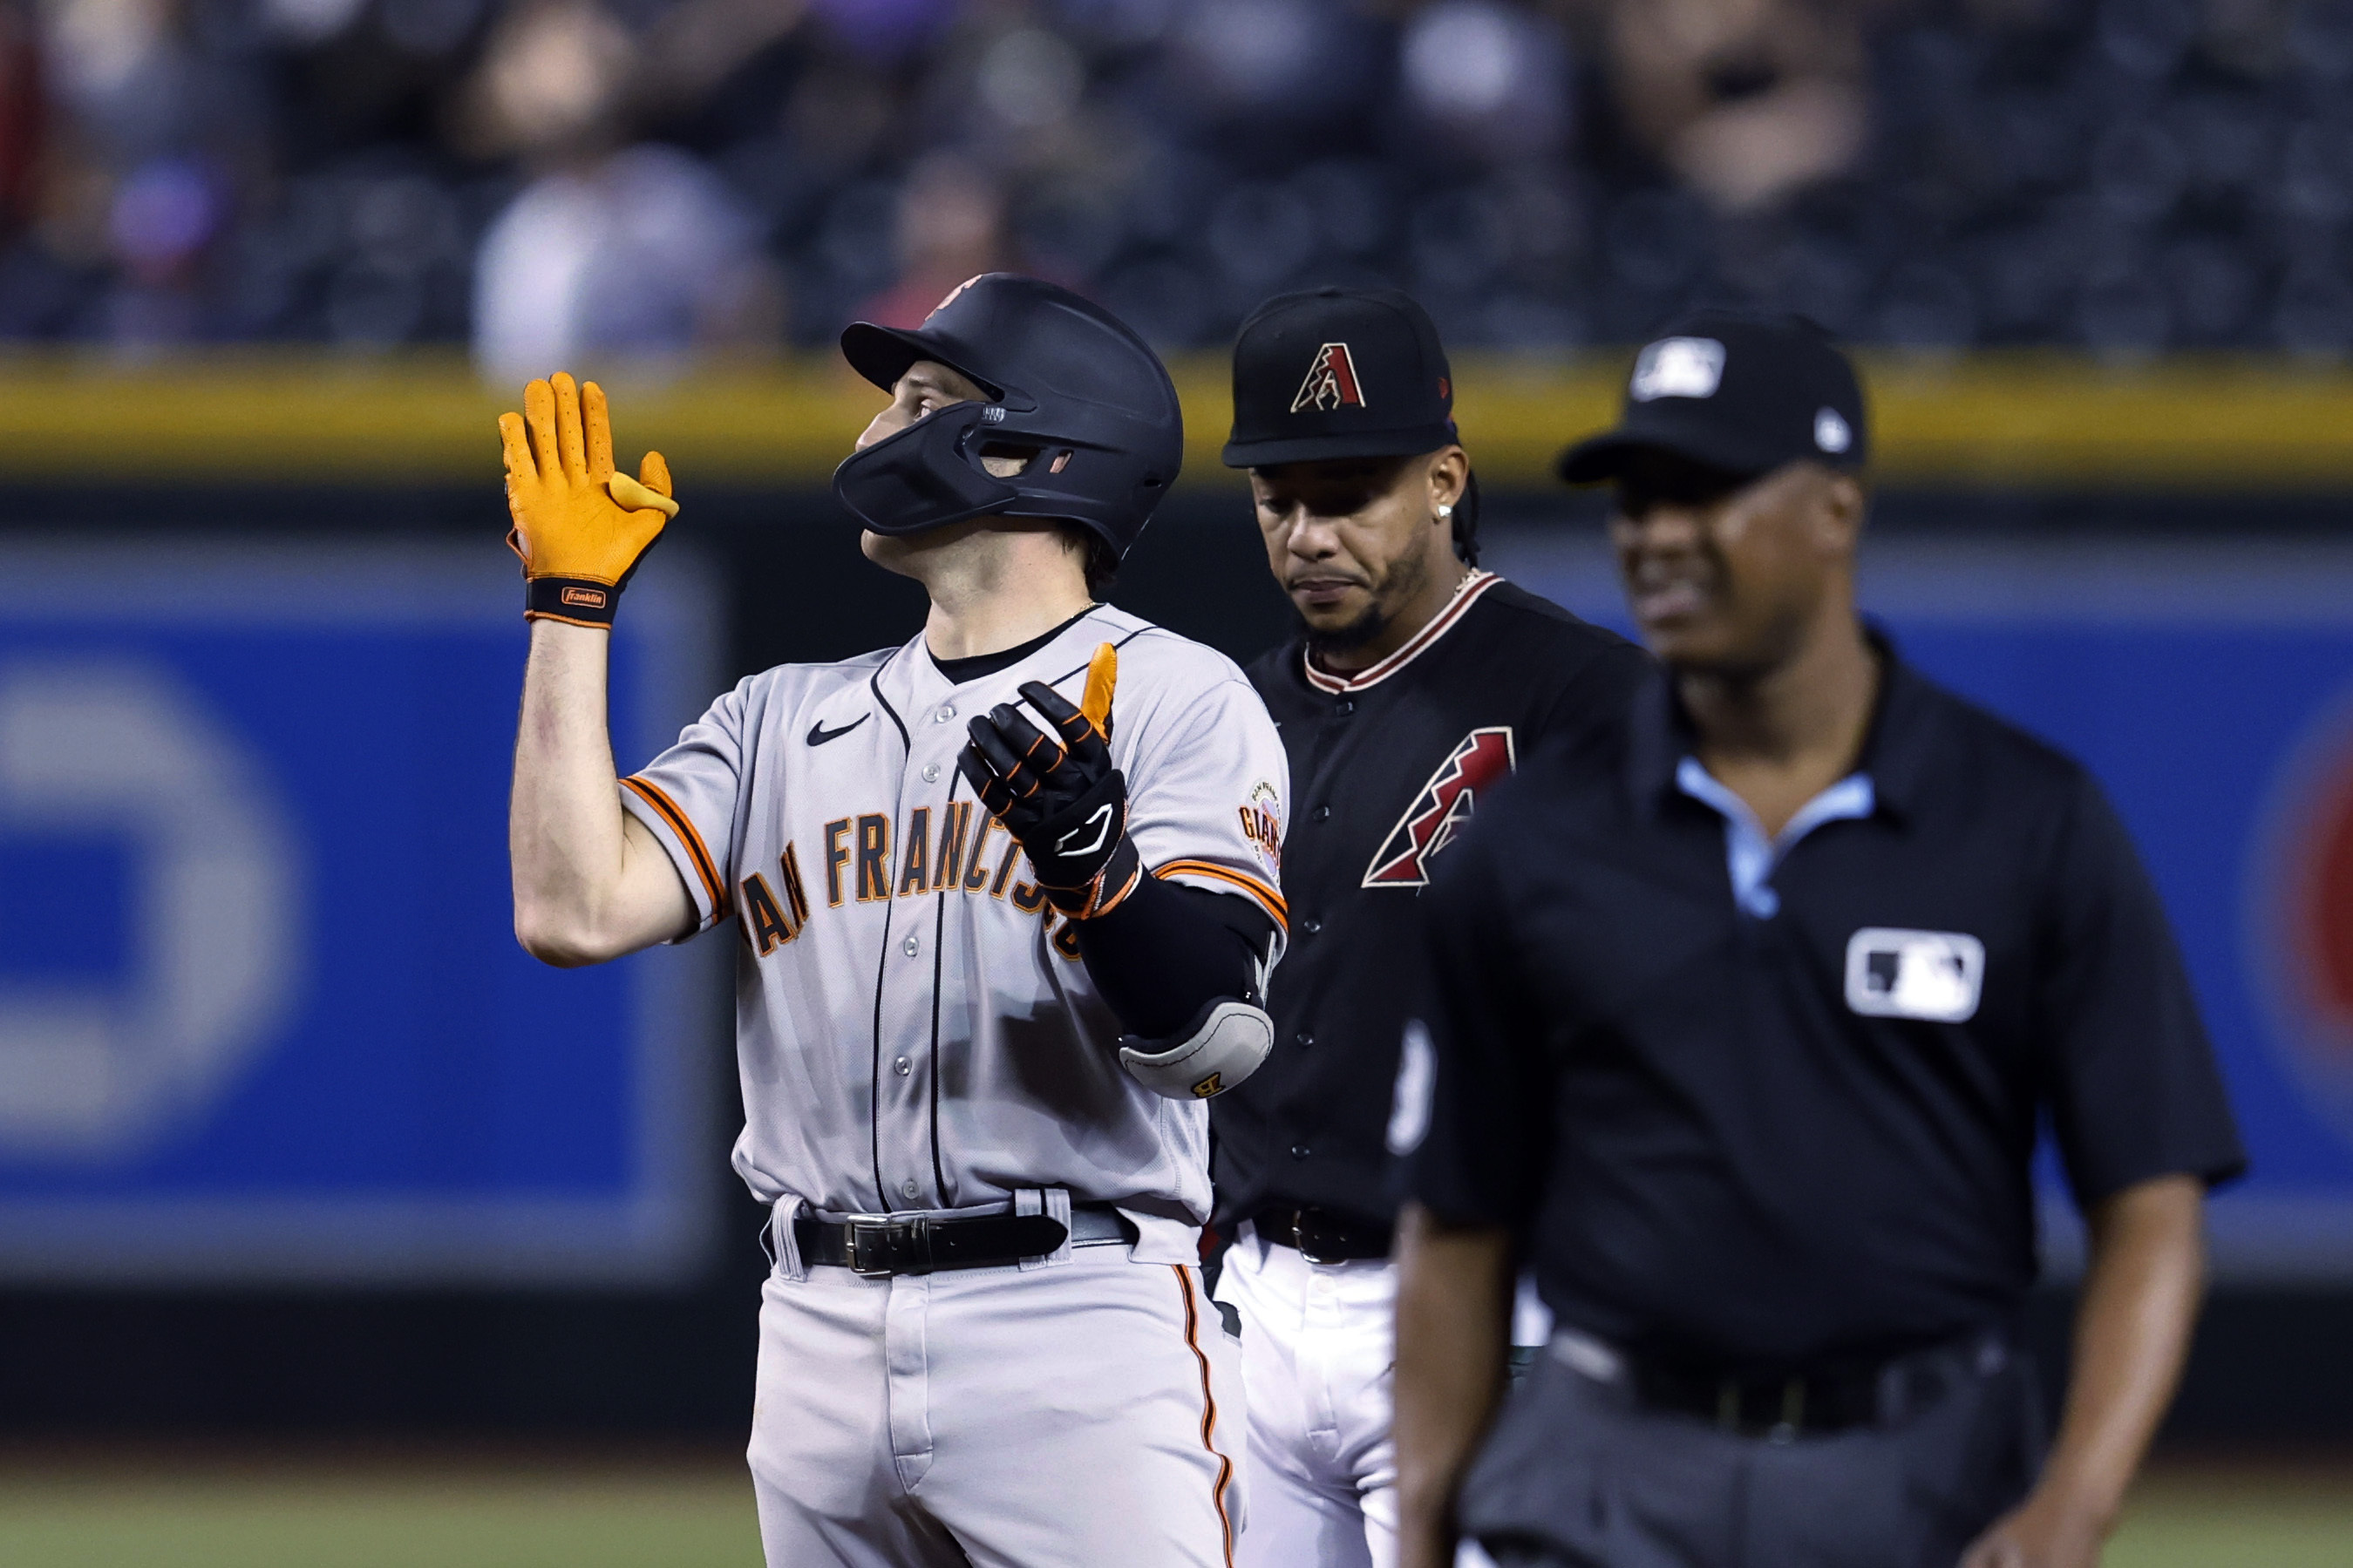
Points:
(1066, 380)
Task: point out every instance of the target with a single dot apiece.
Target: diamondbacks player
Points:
(1416, 682)
(1006, 896)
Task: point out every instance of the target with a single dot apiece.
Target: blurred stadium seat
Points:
(678, 175)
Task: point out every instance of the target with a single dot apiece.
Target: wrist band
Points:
(580, 600)
(1105, 891)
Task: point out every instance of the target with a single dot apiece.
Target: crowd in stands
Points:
(560, 180)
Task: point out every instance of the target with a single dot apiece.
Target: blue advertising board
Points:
(262, 1013)
(2209, 685)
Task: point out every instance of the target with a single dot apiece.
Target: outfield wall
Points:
(431, 1187)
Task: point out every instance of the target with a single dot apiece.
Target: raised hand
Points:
(580, 527)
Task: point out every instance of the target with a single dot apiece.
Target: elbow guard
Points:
(1225, 1045)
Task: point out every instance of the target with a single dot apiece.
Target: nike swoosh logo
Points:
(818, 734)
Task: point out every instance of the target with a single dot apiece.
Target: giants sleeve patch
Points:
(1262, 820)
(1484, 759)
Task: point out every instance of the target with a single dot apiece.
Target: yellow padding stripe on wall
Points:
(2223, 423)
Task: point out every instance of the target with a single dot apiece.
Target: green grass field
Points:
(288, 1514)
(497, 1513)
(2240, 1516)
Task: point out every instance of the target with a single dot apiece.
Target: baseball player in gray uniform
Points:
(1006, 897)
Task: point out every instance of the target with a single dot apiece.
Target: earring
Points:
(1445, 511)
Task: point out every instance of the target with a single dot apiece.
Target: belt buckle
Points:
(1732, 1411)
(1299, 1239)
(857, 1231)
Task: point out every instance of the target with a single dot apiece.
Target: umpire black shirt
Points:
(1766, 1141)
(1386, 768)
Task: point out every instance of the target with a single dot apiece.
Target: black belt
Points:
(1321, 1236)
(1832, 1398)
(879, 1246)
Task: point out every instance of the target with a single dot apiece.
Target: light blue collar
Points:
(1749, 853)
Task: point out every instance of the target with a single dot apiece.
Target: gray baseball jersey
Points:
(915, 1029)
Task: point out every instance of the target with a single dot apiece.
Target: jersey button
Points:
(1305, 1040)
(905, 1067)
(943, 715)
(914, 944)
(908, 1189)
(1323, 813)
(1307, 927)
(931, 772)
(1346, 706)
(1299, 1151)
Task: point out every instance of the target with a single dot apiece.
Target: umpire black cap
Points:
(1339, 373)
(1741, 392)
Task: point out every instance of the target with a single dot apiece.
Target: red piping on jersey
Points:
(1265, 895)
(1473, 586)
(1209, 1407)
(667, 809)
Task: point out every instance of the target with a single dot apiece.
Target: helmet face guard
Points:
(930, 475)
(926, 476)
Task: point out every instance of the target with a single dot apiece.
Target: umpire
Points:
(1415, 681)
(1747, 1014)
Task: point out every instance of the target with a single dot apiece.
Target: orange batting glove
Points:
(581, 527)
(1103, 674)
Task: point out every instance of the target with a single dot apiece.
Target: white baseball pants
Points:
(1077, 1415)
(1319, 1348)
(1319, 1344)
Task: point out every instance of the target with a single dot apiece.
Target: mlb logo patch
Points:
(1678, 367)
(1331, 381)
(1932, 975)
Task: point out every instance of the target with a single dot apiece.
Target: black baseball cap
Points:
(1742, 393)
(1339, 373)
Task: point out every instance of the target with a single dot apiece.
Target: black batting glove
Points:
(1060, 798)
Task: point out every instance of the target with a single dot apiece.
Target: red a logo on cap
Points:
(1331, 381)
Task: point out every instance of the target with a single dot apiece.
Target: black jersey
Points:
(1386, 767)
(1784, 1132)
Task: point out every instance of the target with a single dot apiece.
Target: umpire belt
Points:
(877, 1246)
(1780, 1407)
